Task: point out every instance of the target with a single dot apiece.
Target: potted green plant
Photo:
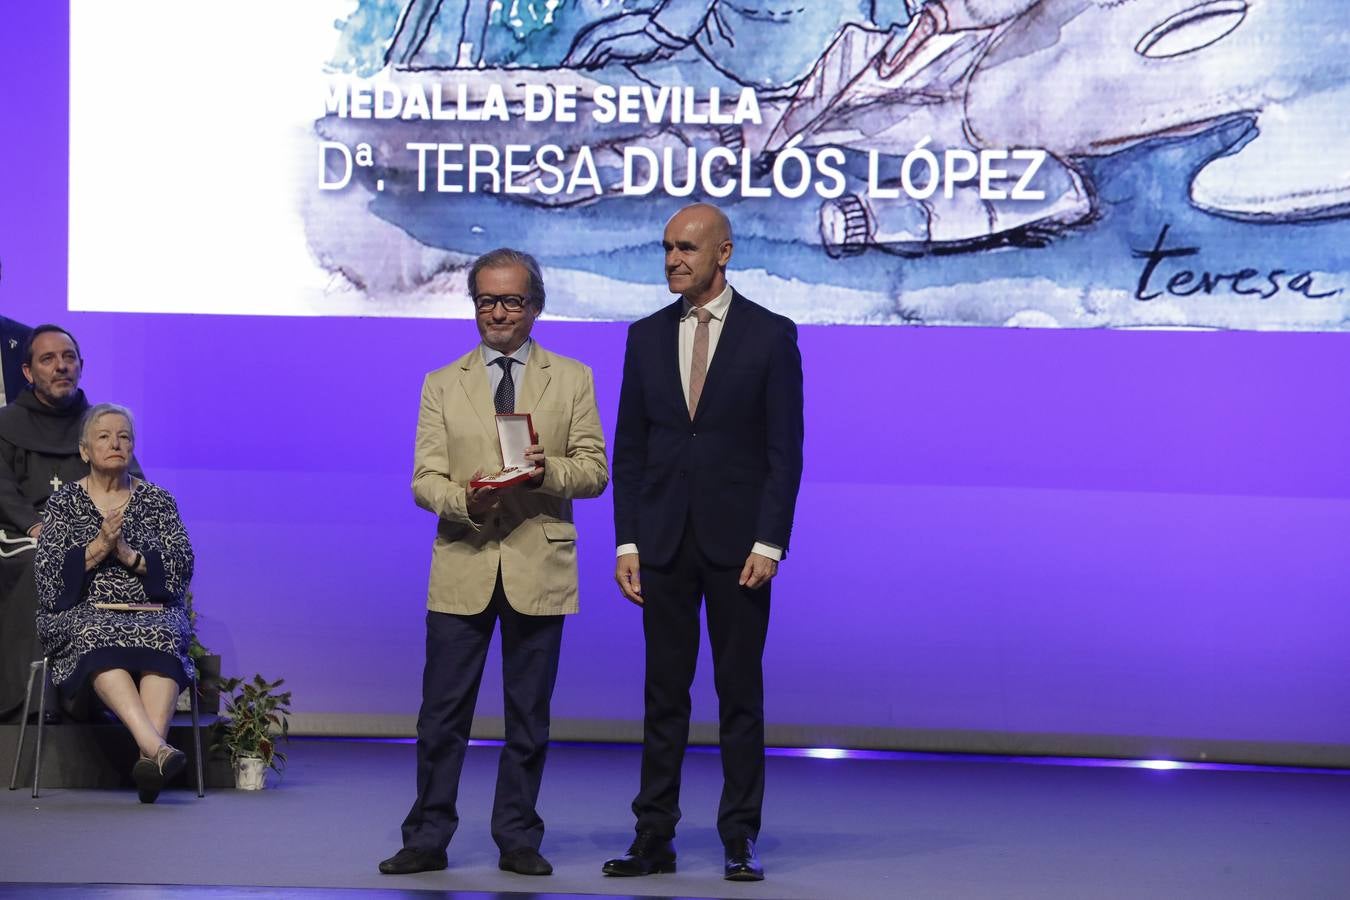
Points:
(208, 670)
(256, 716)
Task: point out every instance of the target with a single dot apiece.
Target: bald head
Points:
(698, 246)
(706, 216)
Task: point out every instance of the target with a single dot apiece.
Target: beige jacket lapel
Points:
(537, 376)
(473, 379)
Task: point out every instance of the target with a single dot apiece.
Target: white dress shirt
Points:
(718, 307)
(688, 323)
(495, 372)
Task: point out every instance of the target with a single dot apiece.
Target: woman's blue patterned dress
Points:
(81, 641)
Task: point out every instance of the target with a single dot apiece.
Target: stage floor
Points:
(884, 827)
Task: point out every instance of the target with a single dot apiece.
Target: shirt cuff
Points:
(769, 550)
(625, 549)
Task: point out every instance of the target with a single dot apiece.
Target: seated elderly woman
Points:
(112, 567)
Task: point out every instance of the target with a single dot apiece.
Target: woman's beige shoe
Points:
(170, 761)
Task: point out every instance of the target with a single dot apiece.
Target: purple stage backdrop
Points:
(1092, 541)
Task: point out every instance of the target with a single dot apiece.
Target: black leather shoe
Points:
(648, 855)
(524, 861)
(742, 861)
(408, 861)
(149, 780)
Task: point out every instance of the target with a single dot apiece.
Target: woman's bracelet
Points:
(136, 563)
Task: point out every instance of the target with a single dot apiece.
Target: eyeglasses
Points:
(488, 302)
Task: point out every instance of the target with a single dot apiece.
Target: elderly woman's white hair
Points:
(100, 410)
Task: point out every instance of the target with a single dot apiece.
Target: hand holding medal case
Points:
(515, 432)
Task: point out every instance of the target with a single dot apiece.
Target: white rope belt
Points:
(13, 546)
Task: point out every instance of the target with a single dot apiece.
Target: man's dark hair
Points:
(43, 329)
(505, 256)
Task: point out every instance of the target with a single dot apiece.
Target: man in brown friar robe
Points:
(39, 452)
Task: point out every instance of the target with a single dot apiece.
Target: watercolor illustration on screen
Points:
(1073, 163)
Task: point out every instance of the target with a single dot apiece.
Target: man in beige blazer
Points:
(503, 555)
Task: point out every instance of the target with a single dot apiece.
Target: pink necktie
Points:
(698, 366)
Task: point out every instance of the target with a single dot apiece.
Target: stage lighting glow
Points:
(1160, 764)
(825, 753)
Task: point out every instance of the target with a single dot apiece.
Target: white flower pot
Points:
(250, 773)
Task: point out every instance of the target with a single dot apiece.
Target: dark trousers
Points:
(456, 651)
(19, 644)
(738, 621)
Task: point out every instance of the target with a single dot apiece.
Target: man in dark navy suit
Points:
(12, 336)
(707, 462)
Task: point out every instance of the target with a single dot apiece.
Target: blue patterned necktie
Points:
(505, 398)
